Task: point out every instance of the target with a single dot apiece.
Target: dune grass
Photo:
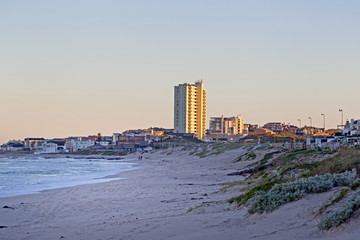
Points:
(280, 194)
(341, 215)
(302, 163)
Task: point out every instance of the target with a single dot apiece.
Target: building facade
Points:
(275, 126)
(190, 109)
(351, 127)
(227, 125)
(74, 144)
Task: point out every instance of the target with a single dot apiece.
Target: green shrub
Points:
(251, 156)
(335, 200)
(243, 198)
(354, 186)
(283, 193)
(341, 215)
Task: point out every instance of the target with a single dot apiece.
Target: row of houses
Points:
(130, 140)
(278, 127)
(233, 128)
(221, 128)
(126, 142)
(351, 128)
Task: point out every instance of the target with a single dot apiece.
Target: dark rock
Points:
(8, 207)
(196, 198)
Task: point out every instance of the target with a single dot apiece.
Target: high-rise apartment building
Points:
(227, 125)
(190, 109)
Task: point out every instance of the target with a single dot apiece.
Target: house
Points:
(98, 146)
(47, 148)
(275, 126)
(61, 144)
(351, 128)
(33, 143)
(74, 144)
(130, 142)
(227, 125)
(306, 130)
(12, 146)
(120, 138)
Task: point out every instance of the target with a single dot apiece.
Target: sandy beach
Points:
(173, 195)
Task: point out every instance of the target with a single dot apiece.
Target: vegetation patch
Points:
(246, 157)
(284, 193)
(335, 200)
(239, 158)
(269, 156)
(110, 153)
(251, 156)
(344, 160)
(266, 158)
(268, 188)
(231, 184)
(295, 155)
(355, 186)
(243, 198)
(203, 153)
(341, 215)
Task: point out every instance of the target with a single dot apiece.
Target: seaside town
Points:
(190, 127)
(179, 120)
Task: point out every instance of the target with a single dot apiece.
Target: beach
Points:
(172, 195)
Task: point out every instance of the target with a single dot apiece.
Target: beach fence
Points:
(316, 146)
(331, 146)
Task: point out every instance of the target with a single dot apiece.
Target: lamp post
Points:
(310, 121)
(299, 122)
(323, 120)
(342, 117)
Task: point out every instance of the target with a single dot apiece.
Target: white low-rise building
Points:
(74, 145)
(352, 127)
(46, 148)
(12, 146)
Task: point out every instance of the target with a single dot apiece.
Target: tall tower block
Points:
(190, 109)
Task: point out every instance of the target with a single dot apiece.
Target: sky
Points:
(72, 68)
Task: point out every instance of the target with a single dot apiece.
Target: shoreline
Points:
(173, 196)
(157, 190)
(107, 177)
(59, 155)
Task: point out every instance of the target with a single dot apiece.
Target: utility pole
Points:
(342, 117)
(323, 114)
(299, 122)
(310, 121)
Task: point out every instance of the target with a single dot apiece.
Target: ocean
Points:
(19, 176)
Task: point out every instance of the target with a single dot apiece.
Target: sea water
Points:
(20, 176)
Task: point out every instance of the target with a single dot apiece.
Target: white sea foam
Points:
(20, 176)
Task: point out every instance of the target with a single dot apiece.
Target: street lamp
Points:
(299, 122)
(342, 117)
(324, 120)
(310, 121)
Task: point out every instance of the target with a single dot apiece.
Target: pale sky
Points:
(71, 68)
